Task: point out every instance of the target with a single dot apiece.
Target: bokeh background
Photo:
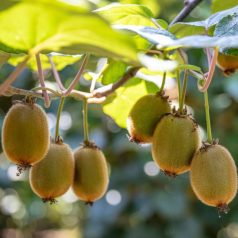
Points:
(140, 202)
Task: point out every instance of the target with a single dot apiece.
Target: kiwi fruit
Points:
(91, 173)
(53, 176)
(25, 134)
(175, 140)
(227, 63)
(144, 116)
(213, 176)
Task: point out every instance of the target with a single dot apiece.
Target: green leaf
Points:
(189, 67)
(200, 27)
(4, 58)
(113, 72)
(36, 26)
(119, 104)
(219, 5)
(153, 5)
(127, 14)
(228, 26)
(60, 61)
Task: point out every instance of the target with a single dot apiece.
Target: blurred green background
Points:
(141, 202)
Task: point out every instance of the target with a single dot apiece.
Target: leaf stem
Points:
(212, 66)
(60, 108)
(42, 80)
(78, 75)
(56, 74)
(184, 89)
(85, 121)
(179, 88)
(208, 121)
(163, 83)
(47, 89)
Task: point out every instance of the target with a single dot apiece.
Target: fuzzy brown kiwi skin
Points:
(53, 176)
(175, 140)
(227, 63)
(91, 173)
(213, 176)
(25, 134)
(144, 116)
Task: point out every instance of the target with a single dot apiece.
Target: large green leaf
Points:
(153, 5)
(37, 26)
(4, 58)
(200, 27)
(228, 26)
(127, 14)
(219, 5)
(118, 104)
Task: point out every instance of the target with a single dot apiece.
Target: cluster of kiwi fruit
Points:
(54, 167)
(177, 148)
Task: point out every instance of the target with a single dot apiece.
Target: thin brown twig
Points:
(189, 5)
(106, 90)
(42, 80)
(97, 96)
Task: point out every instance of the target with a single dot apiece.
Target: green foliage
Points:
(153, 5)
(60, 61)
(219, 5)
(127, 14)
(36, 27)
(120, 103)
(201, 27)
(114, 71)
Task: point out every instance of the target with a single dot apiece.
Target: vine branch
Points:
(106, 90)
(189, 5)
(97, 96)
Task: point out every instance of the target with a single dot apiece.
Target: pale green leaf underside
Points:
(119, 104)
(200, 27)
(199, 41)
